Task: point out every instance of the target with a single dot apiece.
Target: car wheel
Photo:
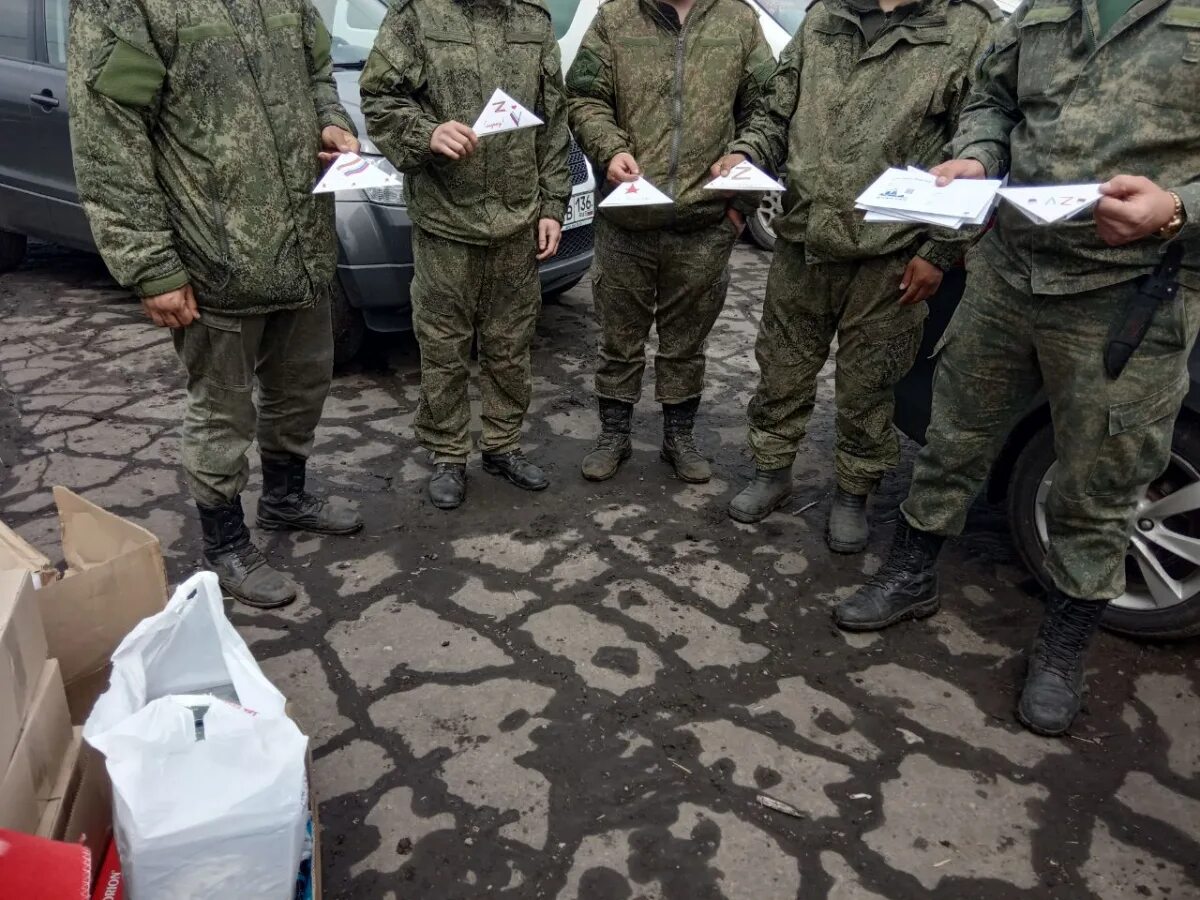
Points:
(12, 250)
(555, 295)
(761, 225)
(1162, 597)
(349, 329)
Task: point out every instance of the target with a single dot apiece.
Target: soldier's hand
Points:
(735, 216)
(623, 169)
(958, 168)
(726, 164)
(335, 140)
(175, 309)
(454, 140)
(921, 281)
(549, 237)
(1132, 208)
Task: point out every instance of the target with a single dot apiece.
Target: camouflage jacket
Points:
(673, 97)
(842, 112)
(196, 128)
(1056, 106)
(437, 61)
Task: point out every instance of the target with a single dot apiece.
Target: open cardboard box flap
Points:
(17, 554)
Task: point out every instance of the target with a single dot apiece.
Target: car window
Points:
(15, 29)
(57, 12)
(563, 13)
(788, 13)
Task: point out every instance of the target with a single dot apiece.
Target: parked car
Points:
(38, 197)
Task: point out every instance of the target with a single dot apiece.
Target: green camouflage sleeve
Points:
(757, 70)
(320, 70)
(1190, 195)
(592, 99)
(115, 77)
(946, 247)
(393, 76)
(554, 139)
(764, 137)
(991, 111)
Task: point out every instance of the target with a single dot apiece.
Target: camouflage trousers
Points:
(806, 306)
(460, 290)
(674, 281)
(1005, 347)
(288, 354)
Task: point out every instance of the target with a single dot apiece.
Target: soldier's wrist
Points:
(1178, 220)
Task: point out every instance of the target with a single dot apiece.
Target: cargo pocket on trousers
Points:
(1138, 444)
(211, 350)
(892, 348)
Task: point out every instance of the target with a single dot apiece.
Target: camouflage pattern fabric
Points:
(675, 282)
(461, 289)
(289, 354)
(1056, 106)
(673, 97)
(840, 112)
(878, 340)
(1112, 438)
(436, 61)
(196, 128)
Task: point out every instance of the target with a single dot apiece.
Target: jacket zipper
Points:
(677, 134)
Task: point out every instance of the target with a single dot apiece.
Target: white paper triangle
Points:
(745, 177)
(637, 193)
(1047, 205)
(503, 113)
(350, 172)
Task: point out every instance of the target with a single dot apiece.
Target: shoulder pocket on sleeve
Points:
(130, 76)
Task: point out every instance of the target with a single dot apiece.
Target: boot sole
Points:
(922, 610)
(845, 549)
(500, 473)
(1038, 729)
(255, 604)
(747, 519)
(272, 525)
(681, 477)
(624, 457)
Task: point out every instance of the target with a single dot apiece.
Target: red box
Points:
(109, 883)
(34, 868)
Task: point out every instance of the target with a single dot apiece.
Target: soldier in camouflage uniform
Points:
(659, 89)
(484, 212)
(1071, 91)
(858, 89)
(198, 130)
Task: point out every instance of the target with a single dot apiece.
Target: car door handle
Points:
(46, 100)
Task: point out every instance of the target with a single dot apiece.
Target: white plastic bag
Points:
(217, 809)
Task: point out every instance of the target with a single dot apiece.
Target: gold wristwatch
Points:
(1172, 228)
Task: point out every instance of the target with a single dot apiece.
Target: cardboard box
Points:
(22, 655)
(47, 732)
(86, 811)
(19, 809)
(114, 578)
(18, 556)
(53, 802)
(35, 869)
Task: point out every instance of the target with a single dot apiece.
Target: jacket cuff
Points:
(747, 203)
(995, 163)
(553, 209)
(943, 254)
(340, 120)
(152, 287)
(747, 150)
(1190, 195)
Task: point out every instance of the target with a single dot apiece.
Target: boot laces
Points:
(610, 440)
(1067, 633)
(684, 442)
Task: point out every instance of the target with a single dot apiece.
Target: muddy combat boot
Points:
(286, 506)
(905, 587)
(448, 485)
(848, 531)
(516, 468)
(1053, 693)
(679, 445)
(767, 491)
(242, 569)
(613, 446)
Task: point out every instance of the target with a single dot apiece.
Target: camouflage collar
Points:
(659, 16)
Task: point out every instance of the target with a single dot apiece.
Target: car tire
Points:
(1135, 614)
(761, 224)
(349, 329)
(12, 250)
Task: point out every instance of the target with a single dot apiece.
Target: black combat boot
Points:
(905, 587)
(1053, 692)
(448, 485)
(769, 490)
(848, 531)
(613, 446)
(286, 506)
(240, 566)
(679, 444)
(517, 469)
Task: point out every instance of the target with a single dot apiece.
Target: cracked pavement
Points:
(581, 694)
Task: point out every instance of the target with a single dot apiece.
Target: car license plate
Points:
(580, 211)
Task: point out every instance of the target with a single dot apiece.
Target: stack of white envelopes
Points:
(912, 195)
(1047, 205)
